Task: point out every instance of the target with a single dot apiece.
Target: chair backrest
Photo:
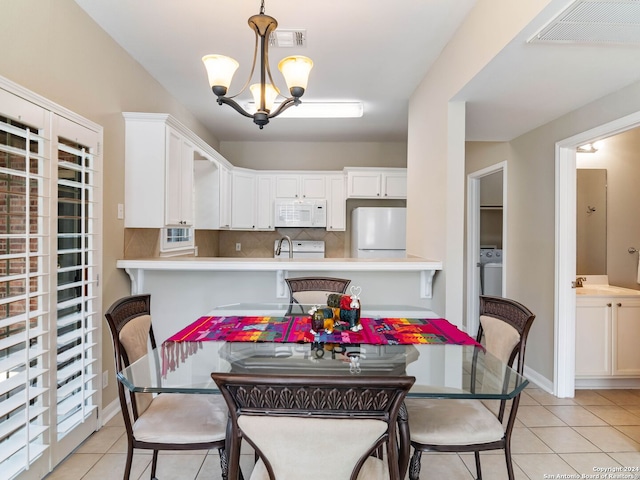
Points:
(505, 325)
(129, 320)
(313, 427)
(315, 290)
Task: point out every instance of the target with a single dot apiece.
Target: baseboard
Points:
(539, 380)
(606, 383)
(108, 412)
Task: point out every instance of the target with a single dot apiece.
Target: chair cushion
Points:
(183, 418)
(500, 337)
(332, 446)
(452, 422)
(312, 297)
(373, 469)
(134, 337)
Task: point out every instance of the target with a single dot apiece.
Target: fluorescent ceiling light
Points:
(318, 110)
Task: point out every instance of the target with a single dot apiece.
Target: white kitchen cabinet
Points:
(243, 200)
(179, 180)
(607, 329)
(225, 198)
(300, 186)
(336, 203)
(389, 183)
(161, 190)
(264, 197)
(212, 190)
(251, 201)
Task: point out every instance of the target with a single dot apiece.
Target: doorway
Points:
(486, 237)
(565, 250)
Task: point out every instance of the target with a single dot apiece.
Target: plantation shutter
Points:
(24, 217)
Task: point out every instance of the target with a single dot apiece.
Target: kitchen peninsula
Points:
(184, 288)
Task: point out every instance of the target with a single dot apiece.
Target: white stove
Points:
(301, 249)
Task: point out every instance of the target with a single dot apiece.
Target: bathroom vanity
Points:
(607, 333)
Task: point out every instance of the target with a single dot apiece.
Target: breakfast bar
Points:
(203, 282)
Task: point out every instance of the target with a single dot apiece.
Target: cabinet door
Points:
(264, 205)
(626, 359)
(313, 186)
(225, 198)
(593, 338)
(394, 185)
(243, 201)
(363, 184)
(179, 180)
(287, 186)
(336, 204)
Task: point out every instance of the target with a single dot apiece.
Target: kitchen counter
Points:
(136, 268)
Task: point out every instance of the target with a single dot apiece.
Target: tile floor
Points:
(553, 438)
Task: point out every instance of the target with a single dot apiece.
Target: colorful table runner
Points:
(375, 331)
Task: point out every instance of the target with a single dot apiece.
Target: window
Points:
(176, 241)
(50, 252)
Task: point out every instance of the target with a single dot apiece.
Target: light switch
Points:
(120, 211)
(238, 247)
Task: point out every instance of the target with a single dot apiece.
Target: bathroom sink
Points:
(606, 291)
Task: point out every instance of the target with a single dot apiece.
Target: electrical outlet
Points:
(238, 247)
(105, 379)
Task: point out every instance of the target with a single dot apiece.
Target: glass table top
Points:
(441, 371)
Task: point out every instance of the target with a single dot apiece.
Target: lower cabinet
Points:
(607, 333)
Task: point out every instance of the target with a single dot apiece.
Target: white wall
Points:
(531, 221)
(436, 173)
(314, 155)
(55, 49)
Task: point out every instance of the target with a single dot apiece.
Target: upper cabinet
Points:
(172, 177)
(301, 186)
(178, 199)
(336, 203)
(385, 183)
(251, 200)
(175, 181)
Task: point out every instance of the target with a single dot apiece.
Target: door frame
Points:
(473, 239)
(565, 248)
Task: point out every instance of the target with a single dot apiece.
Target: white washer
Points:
(491, 272)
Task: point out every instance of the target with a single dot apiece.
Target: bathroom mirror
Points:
(591, 217)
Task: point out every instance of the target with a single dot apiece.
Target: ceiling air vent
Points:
(288, 38)
(594, 22)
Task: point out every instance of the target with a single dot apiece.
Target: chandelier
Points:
(295, 70)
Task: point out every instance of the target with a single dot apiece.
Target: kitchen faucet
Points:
(279, 247)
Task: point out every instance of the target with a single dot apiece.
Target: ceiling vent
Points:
(288, 39)
(594, 22)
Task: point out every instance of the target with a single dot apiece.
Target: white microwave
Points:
(300, 213)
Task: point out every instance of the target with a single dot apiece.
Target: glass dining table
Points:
(440, 370)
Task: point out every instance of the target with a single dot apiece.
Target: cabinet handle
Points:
(608, 304)
(619, 304)
(385, 194)
(378, 194)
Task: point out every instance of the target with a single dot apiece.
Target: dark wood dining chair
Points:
(315, 427)
(313, 290)
(166, 421)
(448, 425)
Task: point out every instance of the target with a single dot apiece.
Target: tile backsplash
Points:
(260, 244)
(144, 242)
